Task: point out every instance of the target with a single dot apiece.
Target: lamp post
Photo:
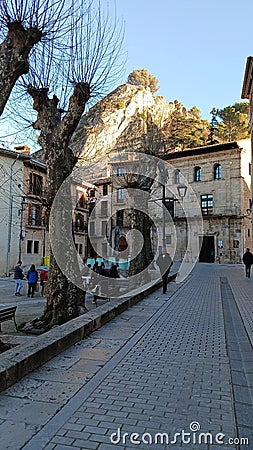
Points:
(91, 205)
(181, 189)
(10, 218)
(23, 203)
(164, 178)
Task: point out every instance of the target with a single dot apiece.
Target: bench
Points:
(8, 314)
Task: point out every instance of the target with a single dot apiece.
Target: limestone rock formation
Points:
(127, 117)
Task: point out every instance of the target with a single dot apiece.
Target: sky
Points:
(196, 48)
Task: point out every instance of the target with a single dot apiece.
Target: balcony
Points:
(80, 228)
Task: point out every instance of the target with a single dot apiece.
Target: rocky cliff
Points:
(129, 117)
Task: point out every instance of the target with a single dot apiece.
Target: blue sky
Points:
(196, 48)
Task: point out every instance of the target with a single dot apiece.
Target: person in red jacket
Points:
(43, 280)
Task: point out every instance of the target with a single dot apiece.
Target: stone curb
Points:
(23, 359)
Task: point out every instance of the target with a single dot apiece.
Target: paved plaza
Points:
(174, 371)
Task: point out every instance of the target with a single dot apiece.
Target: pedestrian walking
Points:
(248, 261)
(114, 271)
(96, 267)
(102, 270)
(18, 277)
(43, 280)
(32, 278)
(164, 263)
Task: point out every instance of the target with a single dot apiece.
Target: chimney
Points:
(23, 149)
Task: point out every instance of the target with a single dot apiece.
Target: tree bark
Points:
(63, 297)
(142, 223)
(14, 54)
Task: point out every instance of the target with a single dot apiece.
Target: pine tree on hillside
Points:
(185, 128)
(142, 77)
(230, 123)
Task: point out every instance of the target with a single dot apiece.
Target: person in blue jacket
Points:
(32, 278)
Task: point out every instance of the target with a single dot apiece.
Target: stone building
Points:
(247, 93)
(11, 195)
(84, 193)
(220, 176)
(33, 221)
(23, 229)
(108, 220)
(23, 220)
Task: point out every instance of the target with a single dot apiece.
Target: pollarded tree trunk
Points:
(14, 53)
(142, 223)
(63, 297)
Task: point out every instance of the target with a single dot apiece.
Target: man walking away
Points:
(248, 261)
(164, 263)
(18, 277)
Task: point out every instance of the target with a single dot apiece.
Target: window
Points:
(104, 250)
(80, 249)
(197, 174)
(32, 247)
(217, 172)
(120, 218)
(105, 189)
(120, 172)
(249, 168)
(207, 204)
(177, 176)
(104, 228)
(92, 228)
(79, 223)
(168, 239)
(36, 245)
(36, 184)
(120, 195)
(104, 208)
(35, 216)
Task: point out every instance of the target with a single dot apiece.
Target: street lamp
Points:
(10, 217)
(181, 189)
(164, 178)
(91, 205)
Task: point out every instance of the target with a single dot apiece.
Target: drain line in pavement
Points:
(240, 355)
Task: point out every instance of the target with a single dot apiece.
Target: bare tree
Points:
(148, 140)
(70, 51)
(89, 60)
(23, 25)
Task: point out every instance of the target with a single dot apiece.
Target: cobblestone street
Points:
(173, 371)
